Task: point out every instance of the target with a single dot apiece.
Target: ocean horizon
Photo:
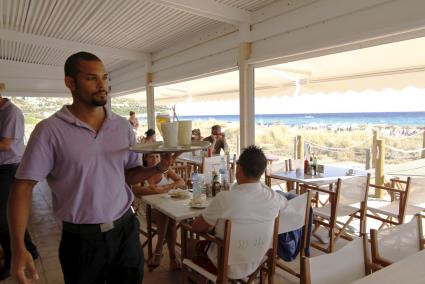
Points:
(416, 119)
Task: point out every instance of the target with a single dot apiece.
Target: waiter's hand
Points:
(23, 267)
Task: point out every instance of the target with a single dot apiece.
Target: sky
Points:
(388, 100)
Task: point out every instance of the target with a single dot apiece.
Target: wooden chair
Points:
(407, 199)
(275, 168)
(347, 200)
(241, 241)
(295, 216)
(391, 212)
(395, 243)
(346, 265)
(185, 172)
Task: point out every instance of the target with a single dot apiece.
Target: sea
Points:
(402, 119)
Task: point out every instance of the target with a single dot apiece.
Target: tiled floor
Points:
(45, 231)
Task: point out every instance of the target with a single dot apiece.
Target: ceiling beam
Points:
(73, 46)
(209, 9)
(22, 69)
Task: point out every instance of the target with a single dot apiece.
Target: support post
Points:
(368, 159)
(374, 147)
(150, 101)
(379, 170)
(246, 96)
(300, 147)
(423, 145)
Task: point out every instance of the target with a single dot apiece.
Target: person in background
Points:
(11, 151)
(217, 140)
(134, 122)
(82, 152)
(166, 227)
(150, 137)
(249, 201)
(196, 135)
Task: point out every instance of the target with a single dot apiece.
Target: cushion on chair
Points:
(325, 211)
(343, 266)
(398, 242)
(388, 208)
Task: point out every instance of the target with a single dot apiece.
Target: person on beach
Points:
(217, 140)
(82, 151)
(134, 122)
(150, 137)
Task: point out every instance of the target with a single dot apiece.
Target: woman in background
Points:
(149, 137)
(166, 227)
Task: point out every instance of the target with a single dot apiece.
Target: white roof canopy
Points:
(178, 40)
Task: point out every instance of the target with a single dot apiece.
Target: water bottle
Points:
(195, 185)
(223, 170)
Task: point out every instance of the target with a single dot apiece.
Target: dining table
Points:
(178, 209)
(330, 174)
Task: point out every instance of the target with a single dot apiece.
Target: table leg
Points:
(149, 229)
(183, 240)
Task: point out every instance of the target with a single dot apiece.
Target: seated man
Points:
(217, 140)
(249, 201)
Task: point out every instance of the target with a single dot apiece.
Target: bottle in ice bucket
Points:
(314, 165)
(195, 185)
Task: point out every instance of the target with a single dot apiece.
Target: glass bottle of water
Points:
(223, 170)
(195, 185)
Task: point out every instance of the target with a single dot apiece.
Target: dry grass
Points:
(279, 140)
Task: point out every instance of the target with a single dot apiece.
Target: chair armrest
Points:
(315, 188)
(206, 236)
(386, 188)
(398, 180)
(373, 266)
(383, 261)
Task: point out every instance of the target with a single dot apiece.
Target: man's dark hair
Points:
(132, 112)
(215, 127)
(253, 162)
(72, 63)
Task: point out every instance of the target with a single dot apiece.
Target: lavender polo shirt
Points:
(84, 169)
(12, 126)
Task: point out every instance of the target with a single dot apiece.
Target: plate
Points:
(198, 205)
(178, 193)
(158, 147)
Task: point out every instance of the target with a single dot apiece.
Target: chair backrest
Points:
(416, 193)
(396, 243)
(354, 190)
(343, 266)
(184, 171)
(296, 214)
(250, 241)
(273, 168)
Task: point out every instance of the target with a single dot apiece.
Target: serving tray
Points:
(158, 147)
